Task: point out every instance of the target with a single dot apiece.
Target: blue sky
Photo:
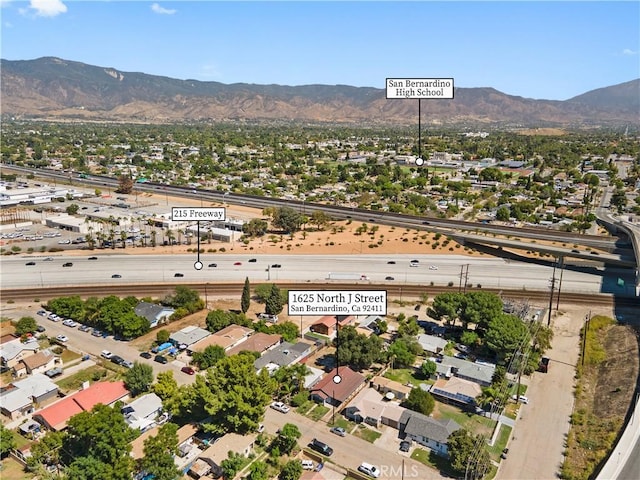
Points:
(545, 49)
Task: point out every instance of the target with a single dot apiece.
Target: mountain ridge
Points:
(54, 88)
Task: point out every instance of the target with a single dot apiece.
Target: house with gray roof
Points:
(431, 343)
(143, 411)
(474, 372)
(427, 431)
(154, 313)
(189, 335)
(283, 355)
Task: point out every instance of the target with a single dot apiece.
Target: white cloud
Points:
(628, 51)
(156, 8)
(47, 8)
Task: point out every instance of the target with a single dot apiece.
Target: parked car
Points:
(54, 372)
(321, 447)
(106, 354)
(117, 359)
(146, 355)
(40, 329)
(338, 431)
(62, 338)
(503, 455)
(307, 465)
(96, 333)
(161, 359)
(188, 370)
(43, 313)
(369, 469)
(520, 398)
(127, 364)
(280, 407)
(84, 328)
(405, 446)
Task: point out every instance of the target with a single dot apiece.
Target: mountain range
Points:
(53, 89)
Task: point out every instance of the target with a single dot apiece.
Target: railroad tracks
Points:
(235, 289)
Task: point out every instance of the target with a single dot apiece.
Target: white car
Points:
(369, 469)
(106, 354)
(432, 267)
(62, 338)
(280, 407)
(412, 264)
(521, 399)
(307, 465)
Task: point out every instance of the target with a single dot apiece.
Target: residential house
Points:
(432, 343)
(475, 372)
(428, 431)
(55, 416)
(143, 411)
(24, 396)
(210, 461)
(283, 355)
(457, 391)
(258, 342)
(386, 385)
(227, 338)
(326, 326)
(329, 392)
(189, 336)
(371, 407)
(38, 363)
(12, 352)
(154, 313)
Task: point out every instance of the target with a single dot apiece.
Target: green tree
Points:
(274, 303)
(292, 470)
(208, 357)
(72, 209)
(446, 306)
(245, 300)
(173, 398)
(420, 401)
(7, 441)
(463, 447)
(409, 327)
(256, 227)
(26, 325)
(231, 465)
(159, 452)
(356, 349)
(138, 378)
(503, 213)
(234, 394)
(258, 471)
(125, 184)
(287, 219)
(185, 297)
(505, 334)
(480, 308)
(162, 336)
(428, 368)
(401, 352)
(287, 438)
(103, 436)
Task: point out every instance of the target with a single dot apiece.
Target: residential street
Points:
(351, 451)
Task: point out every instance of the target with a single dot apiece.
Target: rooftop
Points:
(189, 335)
(327, 388)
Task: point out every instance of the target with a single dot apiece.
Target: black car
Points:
(321, 447)
(213, 265)
(178, 274)
(116, 275)
(40, 329)
(117, 360)
(30, 263)
(405, 446)
(146, 355)
(389, 278)
(161, 359)
(276, 265)
(68, 264)
(391, 262)
(252, 260)
(93, 258)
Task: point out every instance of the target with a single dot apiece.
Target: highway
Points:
(379, 269)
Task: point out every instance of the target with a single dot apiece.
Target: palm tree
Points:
(153, 237)
(123, 238)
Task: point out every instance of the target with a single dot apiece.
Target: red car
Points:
(238, 263)
(188, 370)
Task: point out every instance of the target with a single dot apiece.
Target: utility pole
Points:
(553, 286)
(466, 278)
(587, 320)
(561, 264)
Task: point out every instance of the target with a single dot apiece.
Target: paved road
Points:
(350, 451)
(86, 343)
(488, 272)
(537, 441)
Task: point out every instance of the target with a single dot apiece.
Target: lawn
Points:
(404, 376)
(432, 460)
(305, 407)
(68, 356)
(501, 442)
(93, 374)
(475, 424)
(367, 434)
(11, 469)
(344, 423)
(318, 412)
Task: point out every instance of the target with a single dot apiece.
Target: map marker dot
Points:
(198, 265)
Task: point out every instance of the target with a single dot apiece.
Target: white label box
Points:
(429, 88)
(337, 302)
(200, 214)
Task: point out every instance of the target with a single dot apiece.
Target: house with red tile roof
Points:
(329, 392)
(55, 416)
